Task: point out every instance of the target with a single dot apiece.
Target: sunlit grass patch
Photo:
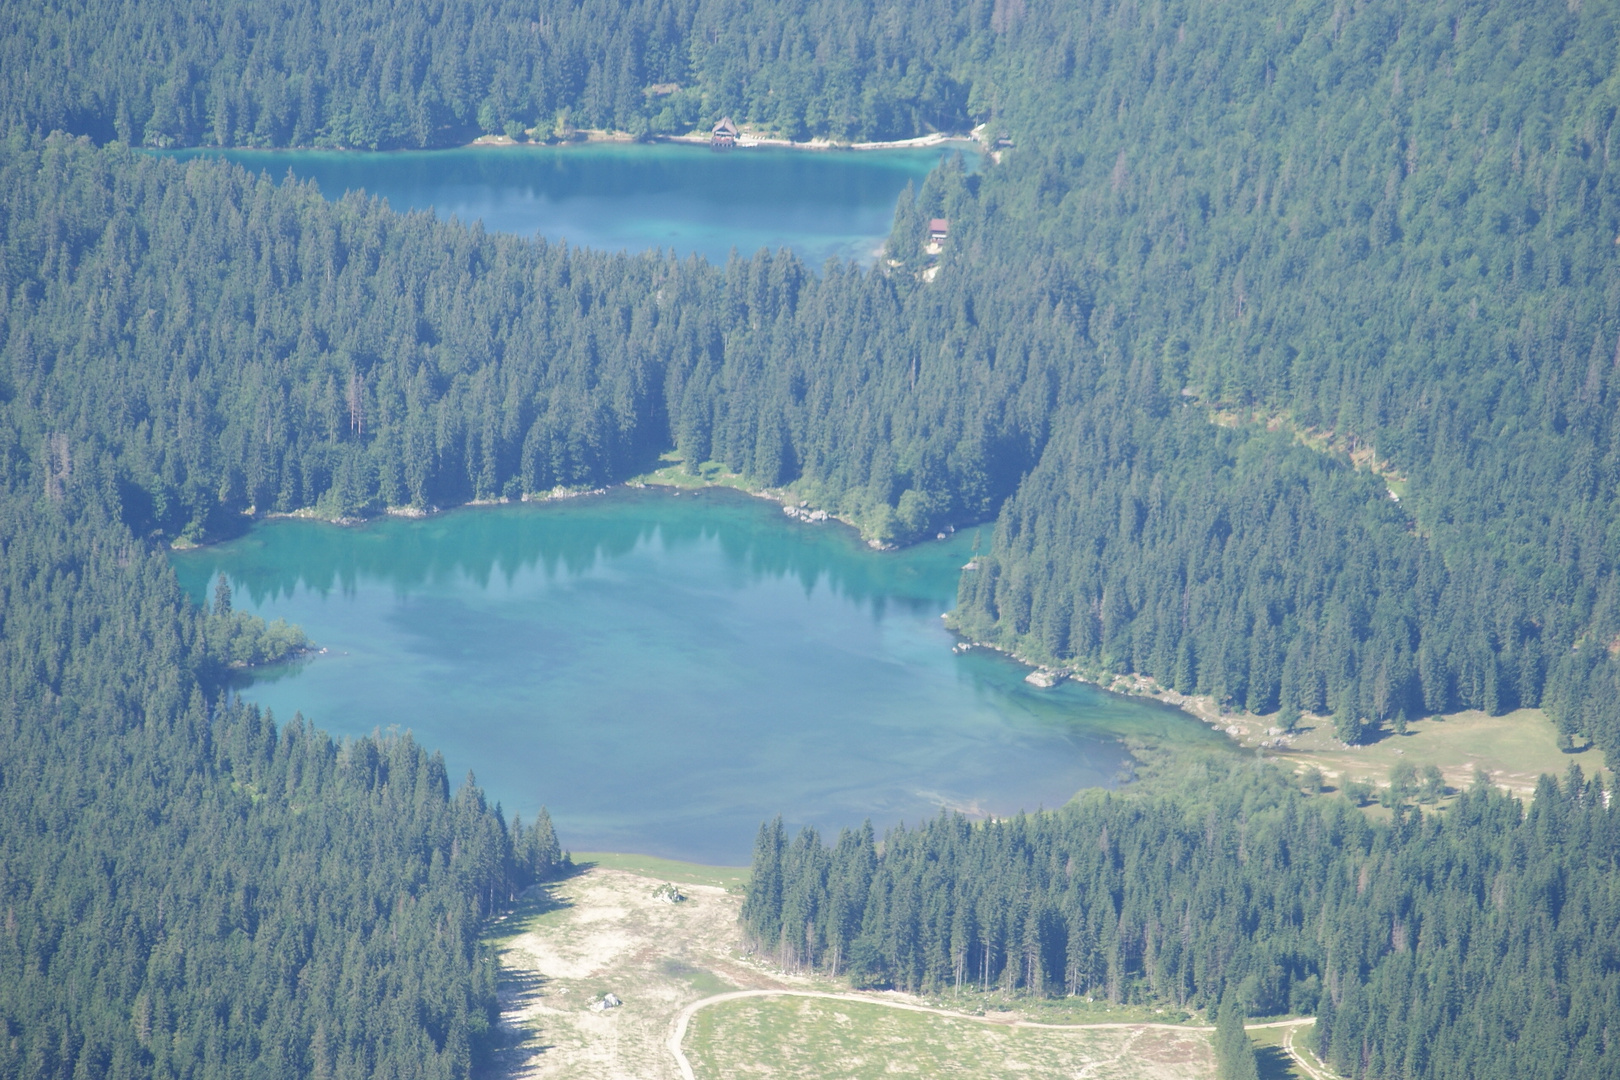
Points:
(685, 873)
(791, 1037)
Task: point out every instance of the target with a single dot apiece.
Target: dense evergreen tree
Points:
(1476, 943)
(1303, 229)
(1234, 1053)
(360, 73)
(188, 889)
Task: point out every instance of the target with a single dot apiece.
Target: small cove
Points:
(665, 671)
(631, 196)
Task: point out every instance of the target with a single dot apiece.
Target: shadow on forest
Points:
(513, 1048)
(1274, 1063)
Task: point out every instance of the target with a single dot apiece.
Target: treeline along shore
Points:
(1380, 235)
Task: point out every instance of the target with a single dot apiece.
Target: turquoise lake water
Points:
(631, 197)
(666, 671)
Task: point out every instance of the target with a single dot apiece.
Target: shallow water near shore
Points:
(631, 196)
(666, 671)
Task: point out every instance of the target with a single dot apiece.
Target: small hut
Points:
(938, 229)
(724, 136)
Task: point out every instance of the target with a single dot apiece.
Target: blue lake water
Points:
(664, 672)
(631, 197)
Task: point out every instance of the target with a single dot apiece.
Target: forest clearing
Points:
(822, 1038)
(1514, 750)
(605, 930)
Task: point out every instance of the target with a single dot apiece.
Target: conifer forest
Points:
(1276, 349)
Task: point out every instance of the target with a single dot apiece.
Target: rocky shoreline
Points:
(1246, 729)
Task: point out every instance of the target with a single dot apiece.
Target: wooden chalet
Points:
(724, 135)
(938, 229)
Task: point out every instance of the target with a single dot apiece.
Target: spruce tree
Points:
(1234, 1053)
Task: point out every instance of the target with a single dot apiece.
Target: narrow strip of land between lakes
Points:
(686, 1014)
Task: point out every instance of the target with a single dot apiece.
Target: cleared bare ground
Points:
(603, 931)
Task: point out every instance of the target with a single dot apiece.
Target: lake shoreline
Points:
(1311, 745)
(1202, 708)
(673, 476)
(600, 655)
(610, 193)
(744, 142)
(1514, 750)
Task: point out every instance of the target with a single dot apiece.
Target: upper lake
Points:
(631, 197)
(666, 671)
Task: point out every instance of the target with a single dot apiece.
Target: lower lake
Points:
(630, 196)
(665, 671)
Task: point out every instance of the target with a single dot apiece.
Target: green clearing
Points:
(672, 472)
(1054, 1010)
(816, 1039)
(700, 979)
(1515, 749)
(730, 878)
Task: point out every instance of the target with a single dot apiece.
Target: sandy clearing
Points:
(602, 931)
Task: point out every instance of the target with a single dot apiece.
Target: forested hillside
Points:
(236, 344)
(187, 889)
(1387, 232)
(1374, 241)
(1475, 945)
(1390, 228)
(364, 73)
